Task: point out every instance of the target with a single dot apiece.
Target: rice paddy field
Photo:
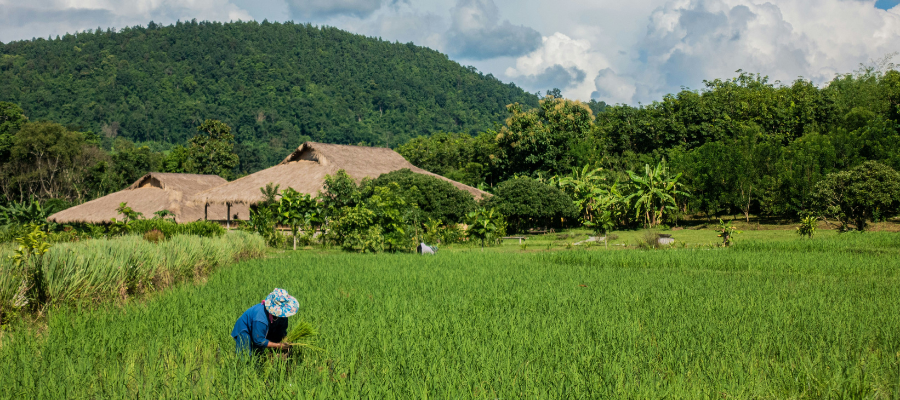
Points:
(778, 319)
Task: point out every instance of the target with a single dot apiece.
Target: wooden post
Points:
(228, 217)
(206, 212)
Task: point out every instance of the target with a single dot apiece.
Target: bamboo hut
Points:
(305, 170)
(151, 193)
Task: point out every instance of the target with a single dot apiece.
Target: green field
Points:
(783, 318)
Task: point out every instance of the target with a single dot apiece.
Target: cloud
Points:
(613, 88)
(401, 23)
(317, 9)
(560, 62)
(42, 18)
(555, 76)
(477, 33)
(689, 41)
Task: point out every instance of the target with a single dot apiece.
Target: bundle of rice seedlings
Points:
(302, 336)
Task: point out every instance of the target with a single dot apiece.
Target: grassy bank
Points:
(108, 269)
(785, 319)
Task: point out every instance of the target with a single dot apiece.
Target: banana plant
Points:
(582, 187)
(484, 224)
(654, 193)
(24, 213)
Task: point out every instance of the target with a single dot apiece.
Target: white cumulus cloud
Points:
(559, 53)
(689, 41)
(43, 18)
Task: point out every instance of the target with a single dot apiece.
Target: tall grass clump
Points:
(104, 269)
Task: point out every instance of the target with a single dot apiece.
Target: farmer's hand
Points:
(285, 346)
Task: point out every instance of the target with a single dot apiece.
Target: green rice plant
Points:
(302, 337)
(784, 318)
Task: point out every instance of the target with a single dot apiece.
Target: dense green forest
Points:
(742, 145)
(275, 84)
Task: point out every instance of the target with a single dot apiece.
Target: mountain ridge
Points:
(275, 84)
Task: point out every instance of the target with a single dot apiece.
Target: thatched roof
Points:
(305, 170)
(151, 193)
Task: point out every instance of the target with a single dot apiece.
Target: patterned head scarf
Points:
(280, 304)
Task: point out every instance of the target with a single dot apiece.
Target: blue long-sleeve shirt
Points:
(253, 323)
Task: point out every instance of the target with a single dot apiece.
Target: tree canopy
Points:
(435, 198)
(275, 84)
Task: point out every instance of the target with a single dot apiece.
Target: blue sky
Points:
(619, 52)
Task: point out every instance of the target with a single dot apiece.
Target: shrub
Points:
(340, 191)
(200, 228)
(354, 230)
(169, 228)
(808, 226)
(527, 203)
(436, 198)
(727, 232)
(650, 240)
(154, 236)
(452, 233)
(853, 197)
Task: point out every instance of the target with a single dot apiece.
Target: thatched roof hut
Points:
(305, 170)
(151, 193)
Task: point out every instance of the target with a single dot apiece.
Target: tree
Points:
(527, 203)
(855, 196)
(297, 211)
(130, 162)
(373, 224)
(340, 191)
(389, 206)
(249, 75)
(546, 138)
(473, 160)
(45, 162)
(263, 218)
(212, 150)
(11, 120)
(435, 198)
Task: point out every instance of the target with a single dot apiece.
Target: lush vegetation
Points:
(38, 276)
(434, 198)
(742, 145)
(794, 318)
(50, 162)
(868, 192)
(527, 203)
(275, 84)
(392, 213)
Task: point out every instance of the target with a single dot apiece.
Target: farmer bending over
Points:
(265, 324)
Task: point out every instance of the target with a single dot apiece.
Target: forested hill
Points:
(275, 84)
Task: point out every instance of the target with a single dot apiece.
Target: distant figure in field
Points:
(265, 324)
(423, 248)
